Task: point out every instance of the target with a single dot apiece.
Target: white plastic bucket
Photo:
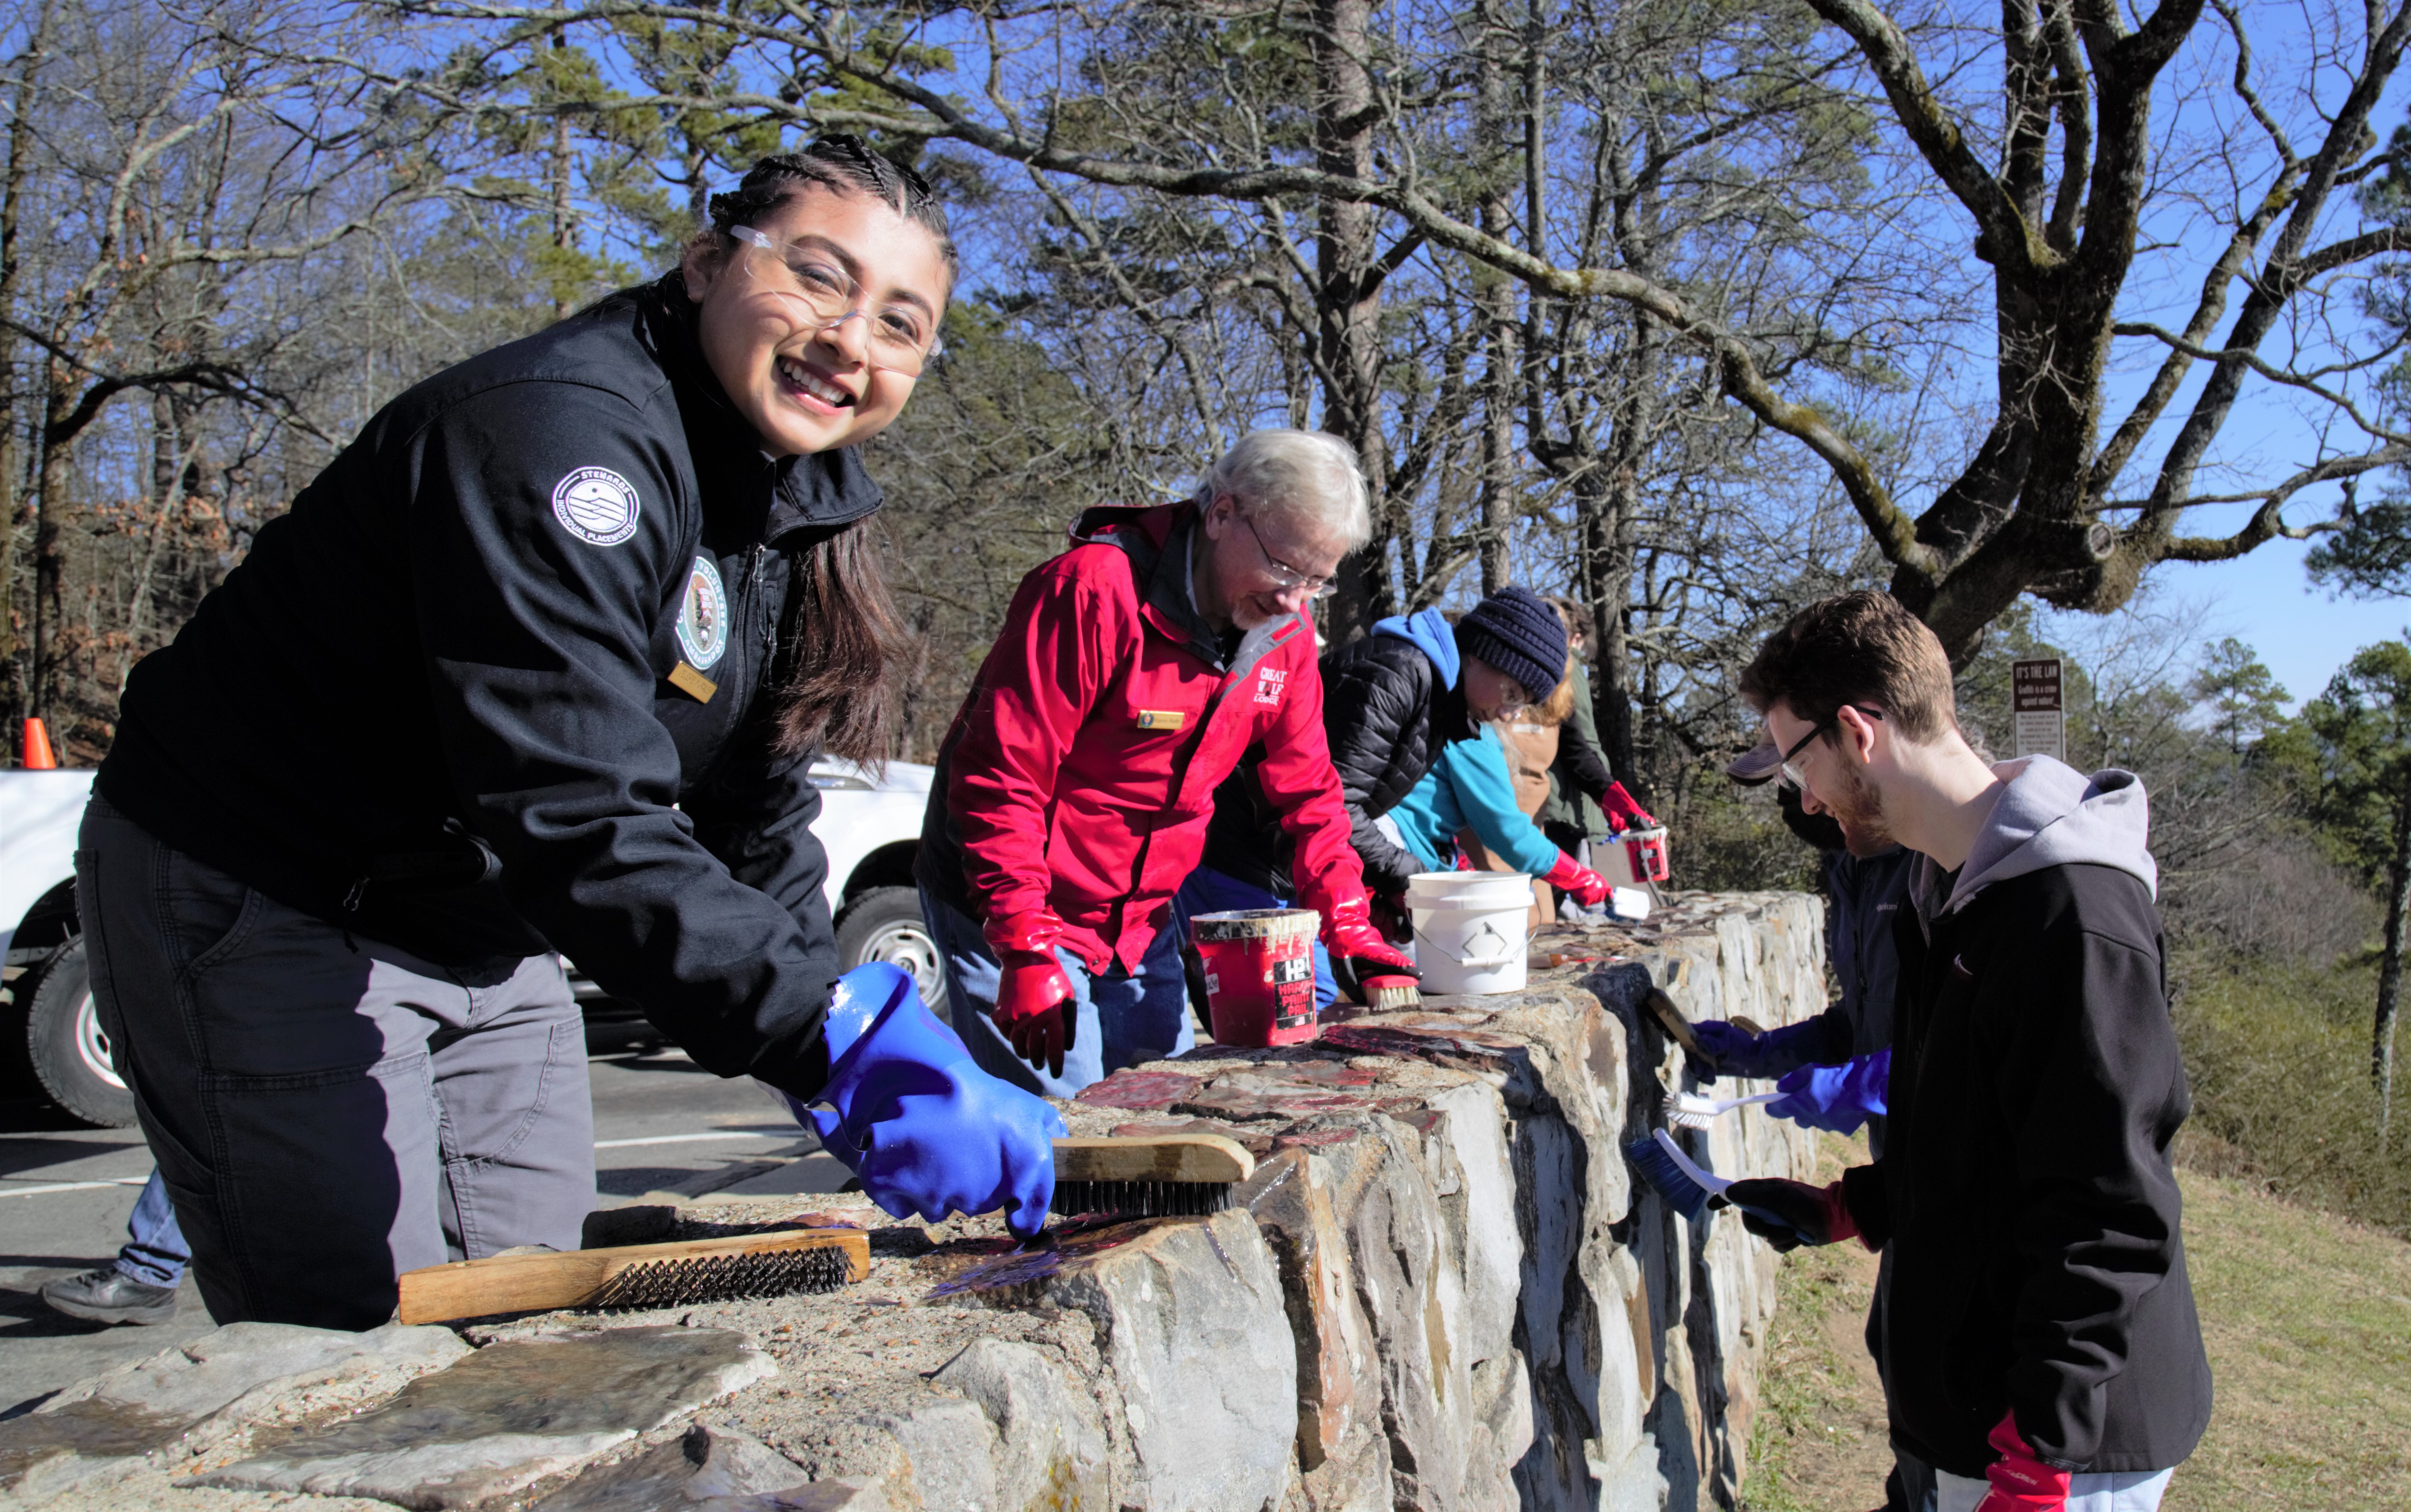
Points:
(1471, 929)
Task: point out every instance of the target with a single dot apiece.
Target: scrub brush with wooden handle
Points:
(1670, 1019)
(775, 1264)
(1165, 1175)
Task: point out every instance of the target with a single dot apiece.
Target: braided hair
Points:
(842, 165)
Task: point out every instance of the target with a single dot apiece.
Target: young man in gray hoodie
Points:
(2040, 1346)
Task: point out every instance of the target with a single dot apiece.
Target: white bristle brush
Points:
(1691, 1111)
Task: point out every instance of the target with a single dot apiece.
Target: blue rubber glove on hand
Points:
(929, 1133)
(1740, 1053)
(1838, 1097)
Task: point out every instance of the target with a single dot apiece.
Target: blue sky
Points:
(2267, 601)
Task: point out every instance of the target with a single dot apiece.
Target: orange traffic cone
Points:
(38, 747)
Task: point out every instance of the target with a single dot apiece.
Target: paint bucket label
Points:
(1259, 971)
(1294, 992)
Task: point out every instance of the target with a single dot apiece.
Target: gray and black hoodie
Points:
(2024, 1192)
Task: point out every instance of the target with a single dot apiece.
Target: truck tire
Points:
(67, 1048)
(884, 924)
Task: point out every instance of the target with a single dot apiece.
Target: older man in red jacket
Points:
(1073, 793)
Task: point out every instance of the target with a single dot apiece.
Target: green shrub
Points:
(1728, 839)
(2278, 1056)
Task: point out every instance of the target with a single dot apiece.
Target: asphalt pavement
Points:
(665, 1131)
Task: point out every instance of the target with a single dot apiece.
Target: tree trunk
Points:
(50, 550)
(563, 231)
(15, 518)
(1633, 417)
(1606, 546)
(1495, 296)
(1499, 507)
(1348, 303)
(2389, 971)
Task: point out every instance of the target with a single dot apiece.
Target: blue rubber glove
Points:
(928, 1131)
(1838, 1097)
(1739, 1053)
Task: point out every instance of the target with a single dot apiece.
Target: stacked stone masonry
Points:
(1443, 1289)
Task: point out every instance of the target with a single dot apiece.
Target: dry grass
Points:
(2308, 1319)
(2308, 1322)
(1819, 1443)
(2278, 1057)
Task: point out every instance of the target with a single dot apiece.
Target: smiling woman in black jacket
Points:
(539, 662)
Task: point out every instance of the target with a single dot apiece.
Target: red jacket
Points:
(1080, 775)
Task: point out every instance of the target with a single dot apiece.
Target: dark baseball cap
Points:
(1756, 765)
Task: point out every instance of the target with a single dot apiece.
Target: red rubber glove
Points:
(1620, 807)
(1030, 994)
(1359, 954)
(1030, 1008)
(2021, 1482)
(1571, 876)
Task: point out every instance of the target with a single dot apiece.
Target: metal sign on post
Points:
(2038, 719)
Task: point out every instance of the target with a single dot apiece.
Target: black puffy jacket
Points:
(1386, 716)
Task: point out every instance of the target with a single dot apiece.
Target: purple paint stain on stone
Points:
(1314, 1139)
(1139, 1091)
(1308, 1104)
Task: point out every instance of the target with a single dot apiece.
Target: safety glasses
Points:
(1288, 578)
(1825, 726)
(900, 338)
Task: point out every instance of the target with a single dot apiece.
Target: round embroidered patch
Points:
(703, 617)
(596, 504)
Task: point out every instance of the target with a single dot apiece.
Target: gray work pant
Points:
(327, 1111)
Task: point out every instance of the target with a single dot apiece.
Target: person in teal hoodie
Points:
(1407, 711)
(1468, 785)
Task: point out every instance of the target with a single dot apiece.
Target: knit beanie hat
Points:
(1516, 631)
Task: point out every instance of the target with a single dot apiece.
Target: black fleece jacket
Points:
(1386, 716)
(434, 704)
(2024, 1190)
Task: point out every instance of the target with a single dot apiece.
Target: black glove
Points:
(1739, 1053)
(1789, 1214)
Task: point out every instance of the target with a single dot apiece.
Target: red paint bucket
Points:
(1644, 853)
(1259, 974)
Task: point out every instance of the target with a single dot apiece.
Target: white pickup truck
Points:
(52, 1044)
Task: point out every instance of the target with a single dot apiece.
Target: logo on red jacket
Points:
(1270, 682)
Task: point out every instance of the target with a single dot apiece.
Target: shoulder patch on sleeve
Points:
(596, 505)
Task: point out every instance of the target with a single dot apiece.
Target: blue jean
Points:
(1121, 1020)
(154, 1252)
(1209, 891)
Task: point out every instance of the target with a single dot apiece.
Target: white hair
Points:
(1308, 479)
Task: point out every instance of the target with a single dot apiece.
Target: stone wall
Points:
(1442, 1289)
